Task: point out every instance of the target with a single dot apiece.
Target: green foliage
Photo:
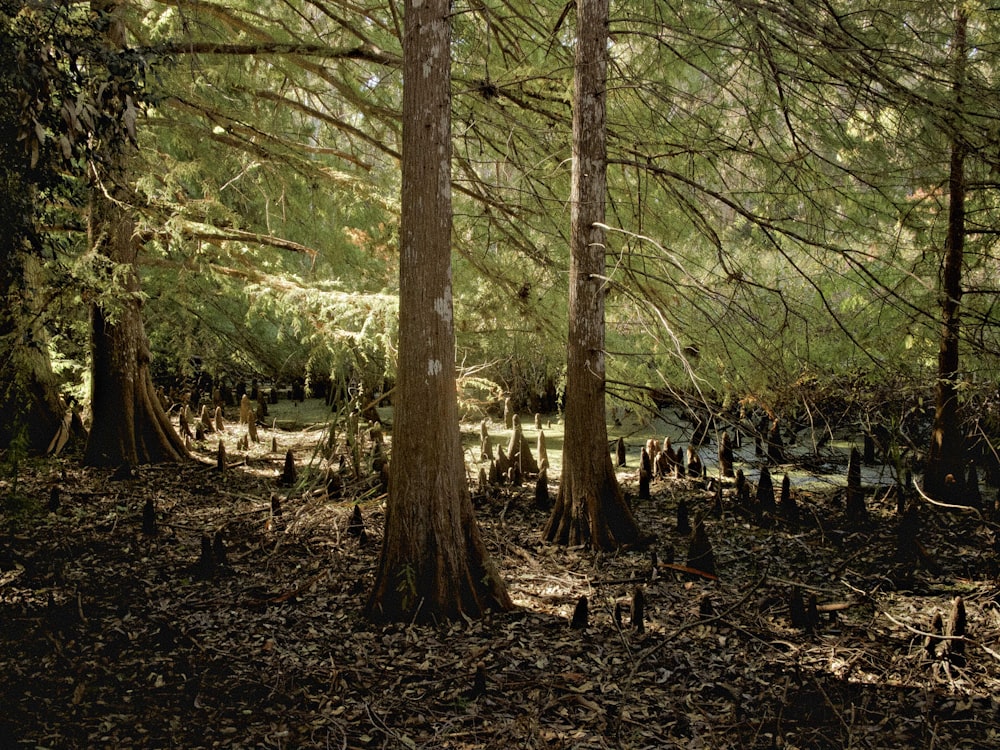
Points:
(272, 214)
(773, 236)
(67, 100)
(107, 284)
(337, 330)
(759, 226)
(776, 189)
(12, 501)
(276, 327)
(406, 587)
(71, 96)
(477, 395)
(39, 75)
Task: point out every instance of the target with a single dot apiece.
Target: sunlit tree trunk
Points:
(589, 508)
(945, 471)
(129, 423)
(433, 562)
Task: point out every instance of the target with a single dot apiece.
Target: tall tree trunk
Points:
(29, 394)
(589, 507)
(944, 475)
(129, 424)
(433, 563)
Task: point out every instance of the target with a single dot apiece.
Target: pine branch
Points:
(218, 235)
(365, 52)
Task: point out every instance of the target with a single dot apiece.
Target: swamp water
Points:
(806, 468)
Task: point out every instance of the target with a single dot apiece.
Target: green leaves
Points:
(775, 187)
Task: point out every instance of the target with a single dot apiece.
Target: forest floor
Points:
(112, 636)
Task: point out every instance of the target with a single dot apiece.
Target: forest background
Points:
(781, 186)
(798, 237)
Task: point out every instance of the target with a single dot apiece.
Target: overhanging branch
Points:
(365, 52)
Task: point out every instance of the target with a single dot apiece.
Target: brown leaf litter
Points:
(112, 636)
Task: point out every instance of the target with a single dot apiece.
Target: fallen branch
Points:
(948, 506)
(942, 637)
(688, 570)
(924, 633)
(648, 577)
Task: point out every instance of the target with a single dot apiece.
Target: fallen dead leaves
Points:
(108, 640)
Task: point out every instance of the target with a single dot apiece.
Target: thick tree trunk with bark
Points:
(29, 394)
(590, 508)
(944, 476)
(433, 562)
(129, 424)
(28, 405)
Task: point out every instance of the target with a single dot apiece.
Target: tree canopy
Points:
(777, 191)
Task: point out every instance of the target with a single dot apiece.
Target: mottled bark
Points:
(433, 562)
(589, 507)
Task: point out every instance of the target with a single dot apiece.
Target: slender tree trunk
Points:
(589, 507)
(129, 424)
(945, 475)
(433, 562)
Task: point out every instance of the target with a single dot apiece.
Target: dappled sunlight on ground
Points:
(111, 636)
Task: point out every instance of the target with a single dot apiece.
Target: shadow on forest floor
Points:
(112, 637)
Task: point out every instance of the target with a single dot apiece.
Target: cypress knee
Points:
(725, 455)
(700, 554)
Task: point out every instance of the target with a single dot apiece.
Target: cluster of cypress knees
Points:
(759, 503)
